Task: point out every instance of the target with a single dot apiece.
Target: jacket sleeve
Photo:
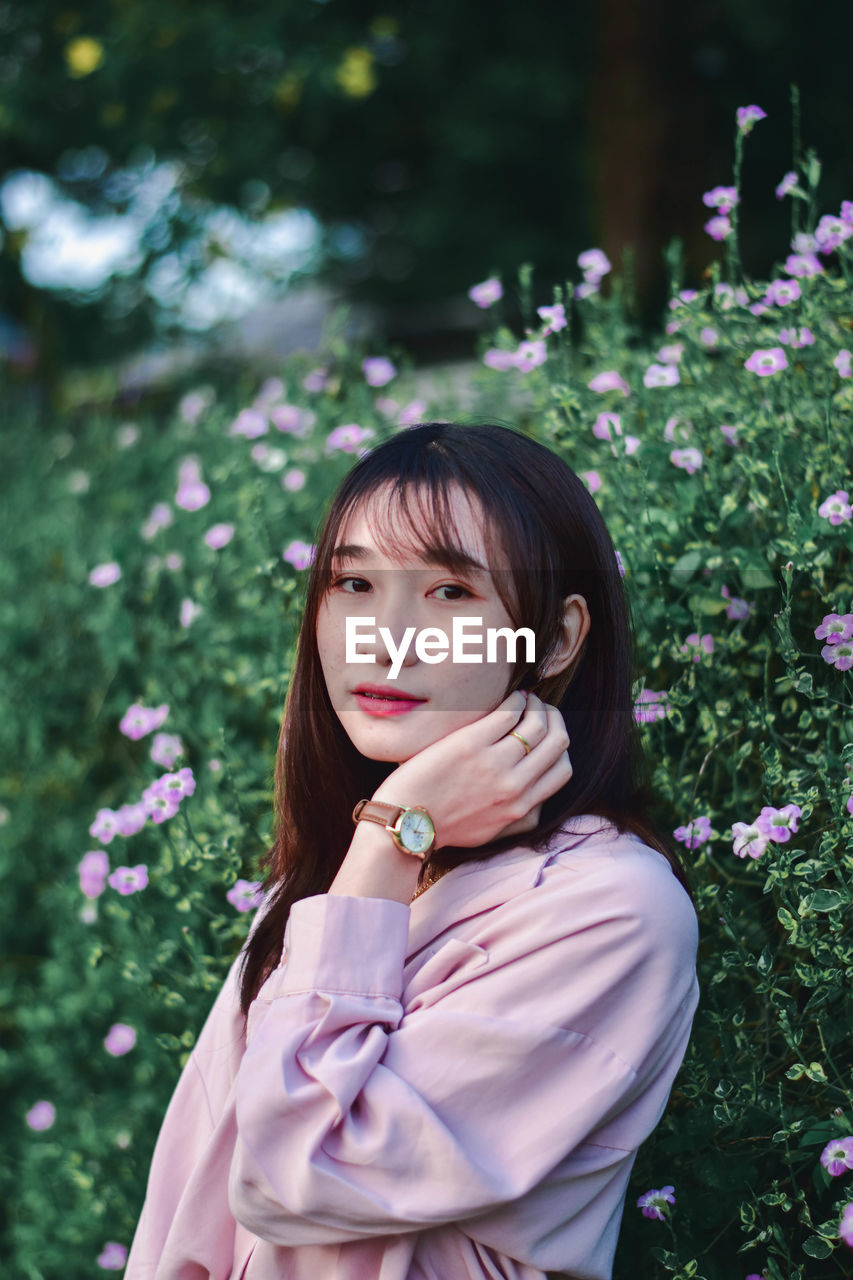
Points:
(356, 1118)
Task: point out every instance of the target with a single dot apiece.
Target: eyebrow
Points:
(436, 555)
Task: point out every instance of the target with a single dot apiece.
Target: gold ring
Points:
(525, 744)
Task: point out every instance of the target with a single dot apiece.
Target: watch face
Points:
(416, 830)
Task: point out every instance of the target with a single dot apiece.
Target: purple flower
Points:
(94, 867)
(594, 263)
(655, 1204)
(174, 786)
(290, 419)
(105, 826)
(726, 297)
(587, 290)
(729, 433)
(299, 554)
(412, 413)
(591, 479)
(530, 354)
(737, 608)
(671, 353)
(748, 116)
(192, 495)
(837, 1156)
(189, 612)
(719, 227)
(218, 536)
(831, 232)
(803, 265)
(487, 292)
(676, 428)
(194, 404)
(126, 880)
(787, 185)
(293, 480)
(766, 362)
(495, 358)
(696, 645)
(834, 628)
(836, 508)
(839, 656)
(131, 818)
(609, 380)
(650, 705)
(842, 363)
(349, 438)
(377, 371)
(780, 293)
(721, 198)
(316, 380)
(606, 425)
(137, 721)
(749, 839)
(695, 833)
(661, 375)
(104, 575)
(688, 459)
(845, 1226)
(41, 1115)
(250, 423)
(245, 895)
(709, 337)
(120, 1039)
(555, 317)
(165, 749)
(797, 338)
(160, 518)
(113, 1257)
(779, 823)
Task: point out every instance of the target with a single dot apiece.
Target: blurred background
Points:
(183, 181)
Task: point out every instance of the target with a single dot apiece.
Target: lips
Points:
(385, 693)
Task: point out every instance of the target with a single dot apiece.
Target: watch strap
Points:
(377, 811)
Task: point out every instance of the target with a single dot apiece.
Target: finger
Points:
(551, 781)
(496, 724)
(553, 744)
(531, 729)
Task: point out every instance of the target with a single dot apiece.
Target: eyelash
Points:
(338, 584)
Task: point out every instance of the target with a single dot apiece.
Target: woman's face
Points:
(400, 703)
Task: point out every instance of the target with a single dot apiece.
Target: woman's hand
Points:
(478, 782)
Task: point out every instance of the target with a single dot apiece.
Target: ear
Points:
(574, 632)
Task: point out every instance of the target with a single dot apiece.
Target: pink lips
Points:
(382, 700)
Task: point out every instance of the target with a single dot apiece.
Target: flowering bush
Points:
(157, 604)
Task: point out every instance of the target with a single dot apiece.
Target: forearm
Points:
(375, 868)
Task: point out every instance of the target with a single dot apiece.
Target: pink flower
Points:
(495, 358)
(555, 317)
(293, 480)
(719, 227)
(606, 425)
(749, 840)
(766, 362)
(709, 337)
(837, 1156)
(729, 433)
(530, 354)
(677, 428)
(120, 1039)
(803, 265)
(787, 185)
(137, 721)
(299, 554)
(839, 656)
(779, 823)
(174, 561)
(587, 290)
(159, 806)
(831, 232)
(218, 536)
(113, 1257)
(377, 371)
(413, 412)
(292, 420)
(721, 198)
(41, 1115)
(174, 786)
(689, 459)
(650, 705)
(245, 895)
(797, 338)
(737, 608)
(104, 575)
(696, 645)
(726, 297)
(836, 508)
(105, 826)
(594, 263)
(192, 495)
(127, 880)
(250, 423)
(194, 404)
(165, 749)
(835, 628)
(349, 438)
(610, 380)
(847, 212)
(160, 518)
(591, 479)
(661, 375)
(655, 1204)
(131, 818)
(93, 868)
(671, 353)
(842, 363)
(695, 833)
(316, 380)
(487, 292)
(748, 116)
(845, 1226)
(781, 293)
(189, 612)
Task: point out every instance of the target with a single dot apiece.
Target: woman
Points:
(464, 1001)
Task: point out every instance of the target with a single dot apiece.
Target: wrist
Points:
(375, 868)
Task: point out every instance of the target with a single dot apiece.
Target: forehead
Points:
(411, 525)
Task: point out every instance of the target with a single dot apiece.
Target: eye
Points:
(454, 592)
(352, 585)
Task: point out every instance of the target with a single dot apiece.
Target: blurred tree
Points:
(436, 141)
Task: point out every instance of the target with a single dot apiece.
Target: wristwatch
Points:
(411, 828)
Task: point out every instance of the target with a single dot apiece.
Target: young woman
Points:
(465, 998)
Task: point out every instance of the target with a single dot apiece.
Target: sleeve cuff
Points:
(352, 945)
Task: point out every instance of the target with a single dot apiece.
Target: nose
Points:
(396, 624)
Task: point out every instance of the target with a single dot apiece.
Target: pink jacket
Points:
(452, 1089)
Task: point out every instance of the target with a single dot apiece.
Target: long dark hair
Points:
(539, 519)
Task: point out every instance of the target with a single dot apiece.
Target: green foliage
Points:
(762, 719)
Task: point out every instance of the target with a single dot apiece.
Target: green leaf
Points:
(824, 900)
(686, 565)
(817, 1247)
